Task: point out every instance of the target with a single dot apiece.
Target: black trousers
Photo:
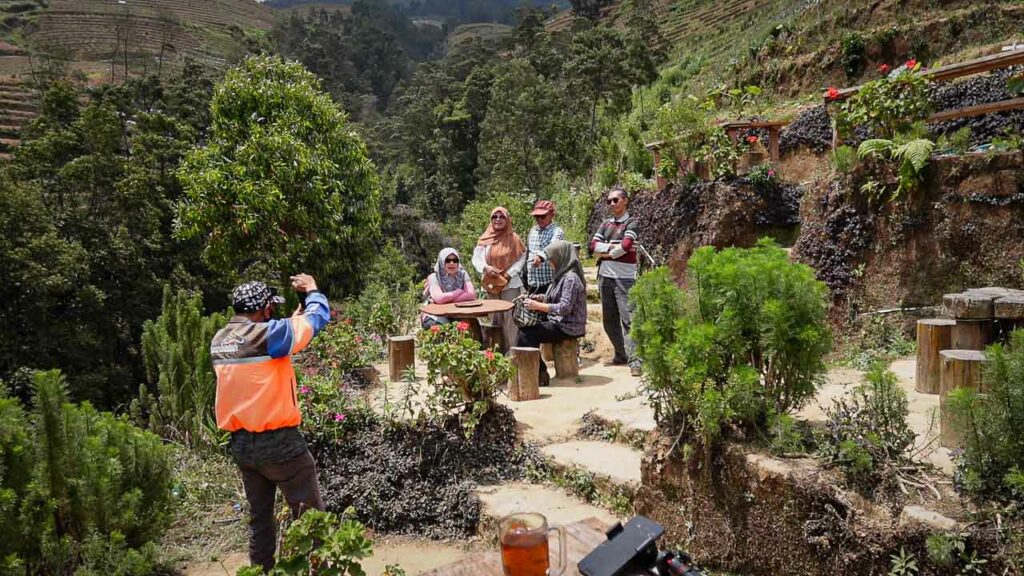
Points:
(297, 479)
(547, 332)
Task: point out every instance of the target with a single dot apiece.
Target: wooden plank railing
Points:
(958, 70)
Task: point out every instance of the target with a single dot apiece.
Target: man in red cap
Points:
(539, 273)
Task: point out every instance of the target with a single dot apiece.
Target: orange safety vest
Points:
(256, 388)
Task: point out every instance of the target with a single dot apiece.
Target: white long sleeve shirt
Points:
(480, 255)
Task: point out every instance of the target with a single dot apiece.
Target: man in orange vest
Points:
(257, 403)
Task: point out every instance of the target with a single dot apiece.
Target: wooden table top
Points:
(581, 539)
(485, 308)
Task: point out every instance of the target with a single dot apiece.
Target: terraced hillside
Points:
(133, 34)
(18, 105)
(796, 45)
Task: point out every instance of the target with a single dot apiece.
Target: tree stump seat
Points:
(401, 355)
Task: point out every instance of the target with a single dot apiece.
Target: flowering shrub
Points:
(763, 177)
(465, 379)
(342, 347)
(330, 407)
(886, 106)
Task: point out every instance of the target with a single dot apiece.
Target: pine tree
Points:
(176, 353)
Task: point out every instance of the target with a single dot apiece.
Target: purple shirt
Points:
(568, 299)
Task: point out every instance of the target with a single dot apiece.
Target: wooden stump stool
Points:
(401, 355)
(959, 369)
(567, 358)
(547, 352)
(525, 384)
(971, 334)
(933, 336)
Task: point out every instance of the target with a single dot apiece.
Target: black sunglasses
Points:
(451, 260)
(611, 201)
(498, 217)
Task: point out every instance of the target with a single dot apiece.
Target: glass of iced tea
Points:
(524, 545)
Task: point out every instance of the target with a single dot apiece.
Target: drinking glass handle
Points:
(562, 556)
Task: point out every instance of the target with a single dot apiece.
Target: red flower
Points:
(334, 314)
(751, 139)
(911, 64)
(347, 320)
(359, 339)
(435, 328)
(489, 354)
(462, 326)
(884, 68)
(832, 93)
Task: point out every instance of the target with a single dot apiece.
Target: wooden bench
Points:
(774, 128)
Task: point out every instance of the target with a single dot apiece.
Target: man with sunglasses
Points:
(539, 273)
(614, 245)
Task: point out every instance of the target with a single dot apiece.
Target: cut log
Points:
(525, 384)
(567, 359)
(401, 355)
(1009, 307)
(933, 336)
(960, 369)
(971, 305)
(547, 352)
(971, 335)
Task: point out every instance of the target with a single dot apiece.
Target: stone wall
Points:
(752, 514)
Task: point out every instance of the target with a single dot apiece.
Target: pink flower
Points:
(462, 326)
(359, 339)
(334, 314)
(832, 93)
(305, 390)
(884, 68)
(771, 173)
(489, 354)
(751, 139)
(911, 64)
(339, 417)
(435, 328)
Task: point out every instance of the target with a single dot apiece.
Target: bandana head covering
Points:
(506, 245)
(446, 282)
(253, 296)
(562, 255)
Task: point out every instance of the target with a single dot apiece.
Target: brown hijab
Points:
(506, 246)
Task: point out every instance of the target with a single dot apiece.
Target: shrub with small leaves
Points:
(320, 543)
(886, 106)
(867, 435)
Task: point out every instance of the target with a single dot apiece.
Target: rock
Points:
(930, 518)
(618, 463)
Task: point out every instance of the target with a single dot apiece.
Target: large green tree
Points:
(283, 182)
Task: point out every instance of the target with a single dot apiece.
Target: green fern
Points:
(917, 152)
(876, 147)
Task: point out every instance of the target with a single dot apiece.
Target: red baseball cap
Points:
(542, 207)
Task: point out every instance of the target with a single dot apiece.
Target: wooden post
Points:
(933, 336)
(960, 369)
(567, 359)
(773, 150)
(547, 352)
(525, 384)
(401, 355)
(971, 334)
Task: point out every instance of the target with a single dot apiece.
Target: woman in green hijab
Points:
(565, 303)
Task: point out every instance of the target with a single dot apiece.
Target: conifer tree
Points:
(176, 353)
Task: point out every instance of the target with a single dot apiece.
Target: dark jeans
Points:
(616, 313)
(297, 480)
(544, 333)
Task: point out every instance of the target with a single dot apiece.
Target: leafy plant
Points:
(991, 424)
(853, 59)
(844, 159)
(886, 106)
(912, 156)
(320, 543)
(903, 564)
(465, 379)
(786, 435)
(331, 407)
(763, 177)
(176, 351)
(958, 143)
(686, 132)
(341, 347)
(876, 340)
(77, 484)
(746, 340)
(866, 433)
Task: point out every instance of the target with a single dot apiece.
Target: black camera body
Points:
(633, 549)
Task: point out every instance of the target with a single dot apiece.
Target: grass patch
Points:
(211, 511)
